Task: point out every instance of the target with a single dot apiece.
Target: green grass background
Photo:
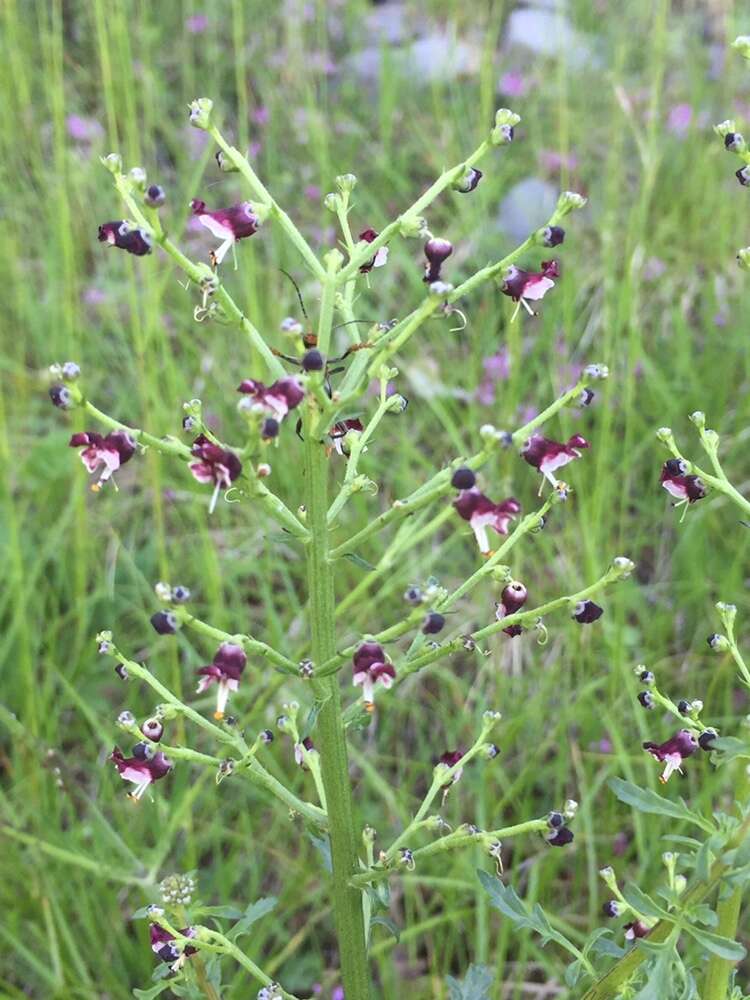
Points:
(77, 858)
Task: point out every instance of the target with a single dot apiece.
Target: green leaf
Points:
(475, 986)
(644, 904)
(723, 947)
(149, 994)
(253, 913)
(359, 561)
(225, 912)
(704, 915)
(644, 800)
(659, 982)
(573, 973)
(140, 914)
(504, 898)
(388, 923)
(322, 844)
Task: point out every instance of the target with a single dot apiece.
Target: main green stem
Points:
(329, 734)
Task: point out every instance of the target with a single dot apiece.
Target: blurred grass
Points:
(75, 562)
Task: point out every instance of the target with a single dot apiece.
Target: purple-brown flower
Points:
(548, 456)
(560, 836)
(215, 465)
(277, 399)
(468, 182)
(481, 513)
(512, 599)
(586, 612)
(371, 667)
(110, 451)
(380, 258)
(227, 224)
(121, 234)
(636, 929)
(673, 751)
(683, 487)
(162, 945)
(450, 758)
(141, 770)
(339, 431)
(437, 251)
(225, 671)
(529, 286)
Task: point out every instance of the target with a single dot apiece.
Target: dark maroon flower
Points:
(433, 623)
(155, 196)
(227, 224)
(743, 176)
(525, 286)
(371, 667)
(139, 770)
(299, 756)
(313, 361)
(153, 730)
(60, 396)
(611, 908)
(546, 455)
(673, 751)
(561, 837)
(675, 480)
(436, 251)
(163, 946)
(110, 451)
(380, 258)
(636, 929)
(215, 465)
(277, 399)
(339, 431)
(646, 699)
(512, 599)
(270, 429)
(450, 758)
(225, 670)
(469, 181)
(481, 513)
(586, 612)
(123, 235)
(733, 142)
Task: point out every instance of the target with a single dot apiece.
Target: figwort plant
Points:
(336, 422)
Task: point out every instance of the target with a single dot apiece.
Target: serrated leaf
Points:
(149, 994)
(644, 904)
(254, 912)
(504, 898)
(390, 925)
(647, 801)
(476, 984)
(724, 947)
(359, 561)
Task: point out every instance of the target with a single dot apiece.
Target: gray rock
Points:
(550, 33)
(435, 57)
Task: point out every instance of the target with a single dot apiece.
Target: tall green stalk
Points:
(329, 734)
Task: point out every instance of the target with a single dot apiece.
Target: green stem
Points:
(718, 970)
(253, 646)
(330, 733)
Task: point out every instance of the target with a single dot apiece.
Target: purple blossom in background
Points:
(83, 129)
(496, 368)
(679, 119)
(260, 115)
(514, 84)
(312, 191)
(553, 161)
(653, 269)
(94, 296)
(196, 24)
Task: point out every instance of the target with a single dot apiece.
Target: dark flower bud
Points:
(469, 181)
(143, 751)
(492, 751)
(561, 838)
(646, 677)
(513, 597)
(743, 176)
(675, 467)
(636, 929)
(433, 623)
(556, 820)
(122, 671)
(586, 397)
(683, 707)
(586, 612)
(706, 738)
(153, 730)
(155, 196)
(413, 595)
(180, 595)
(312, 361)
(270, 429)
(718, 642)
(189, 423)
(60, 396)
(552, 236)
(646, 699)
(436, 251)
(164, 622)
(733, 142)
(611, 908)
(463, 478)
(266, 736)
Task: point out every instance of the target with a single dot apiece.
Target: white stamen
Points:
(214, 498)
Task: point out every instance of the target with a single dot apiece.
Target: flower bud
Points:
(163, 591)
(623, 566)
(550, 236)
(313, 361)
(463, 478)
(200, 113)
(706, 738)
(346, 183)
(433, 623)
(645, 676)
(180, 594)
(332, 202)
(683, 707)
(70, 371)
(743, 258)
(137, 176)
(719, 643)
(646, 699)
(165, 622)
(725, 128)
(266, 736)
(680, 884)
(608, 875)
(270, 429)
(570, 808)
(734, 142)
(596, 372)
(611, 908)
(155, 196)
(126, 721)
(505, 123)
(61, 397)
(412, 227)
(413, 595)
(292, 327)
(468, 181)
(569, 201)
(113, 162)
(742, 45)
(555, 820)
(396, 403)
(224, 163)
(743, 176)
(152, 729)
(491, 751)
(143, 751)
(440, 288)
